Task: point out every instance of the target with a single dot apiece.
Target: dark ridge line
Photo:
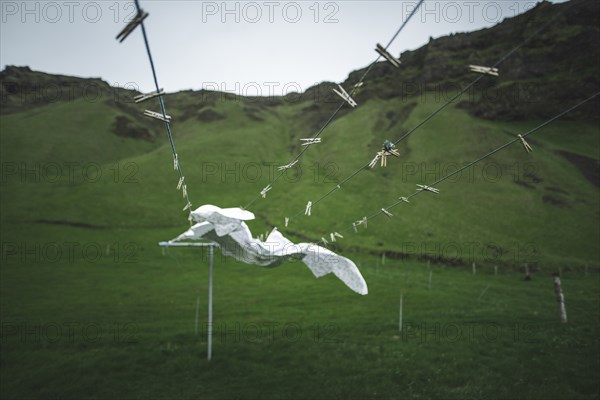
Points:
(69, 223)
(92, 226)
(434, 259)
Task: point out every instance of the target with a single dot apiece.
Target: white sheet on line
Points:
(226, 227)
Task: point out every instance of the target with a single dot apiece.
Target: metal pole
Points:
(197, 315)
(400, 315)
(430, 273)
(210, 292)
(211, 247)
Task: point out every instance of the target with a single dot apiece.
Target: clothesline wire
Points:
(489, 154)
(338, 109)
(177, 164)
(430, 116)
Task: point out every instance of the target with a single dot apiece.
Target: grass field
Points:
(121, 325)
(92, 308)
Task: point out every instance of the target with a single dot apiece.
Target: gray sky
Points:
(247, 47)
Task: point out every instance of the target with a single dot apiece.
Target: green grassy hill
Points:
(512, 198)
(91, 308)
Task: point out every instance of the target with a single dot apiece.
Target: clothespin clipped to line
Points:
(484, 70)
(345, 96)
(263, 192)
(388, 149)
(325, 242)
(404, 199)
(308, 208)
(385, 54)
(147, 96)
(362, 222)
(176, 162)
(374, 160)
(357, 88)
(155, 115)
(334, 235)
(525, 144)
(428, 189)
(359, 222)
(187, 207)
(383, 159)
(130, 27)
(308, 142)
(181, 185)
(287, 166)
(386, 212)
(287, 221)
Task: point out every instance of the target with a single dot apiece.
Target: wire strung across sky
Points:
(339, 185)
(139, 20)
(337, 110)
(520, 137)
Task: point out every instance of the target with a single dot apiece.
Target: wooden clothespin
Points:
(385, 54)
(155, 115)
(308, 208)
(130, 27)
(525, 144)
(428, 189)
(263, 192)
(309, 141)
(147, 96)
(484, 70)
(287, 166)
(344, 95)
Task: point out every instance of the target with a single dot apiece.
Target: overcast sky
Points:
(247, 47)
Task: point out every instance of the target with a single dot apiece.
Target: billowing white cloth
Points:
(226, 227)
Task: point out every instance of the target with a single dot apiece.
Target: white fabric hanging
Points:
(226, 227)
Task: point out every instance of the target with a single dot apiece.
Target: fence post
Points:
(560, 298)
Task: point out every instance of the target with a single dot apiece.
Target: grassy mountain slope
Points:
(512, 198)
